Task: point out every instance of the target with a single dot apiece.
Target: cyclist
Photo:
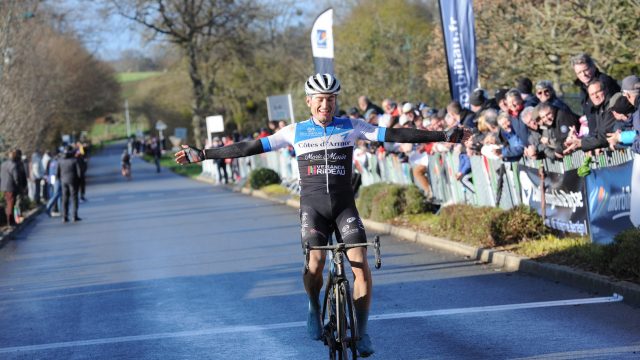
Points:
(125, 164)
(324, 149)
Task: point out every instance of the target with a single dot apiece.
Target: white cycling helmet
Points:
(322, 84)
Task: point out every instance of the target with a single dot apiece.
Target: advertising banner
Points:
(609, 200)
(215, 124)
(566, 205)
(280, 107)
(460, 45)
(634, 208)
(322, 42)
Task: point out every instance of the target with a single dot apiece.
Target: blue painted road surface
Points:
(164, 267)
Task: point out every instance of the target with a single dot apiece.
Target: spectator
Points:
(530, 118)
(272, 127)
(603, 121)
(547, 94)
(630, 90)
(45, 165)
(464, 169)
(22, 165)
(36, 173)
(586, 71)
(413, 115)
(354, 113)
(365, 105)
(371, 117)
(55, 189)
(524, 85)
(478, 102)
(391, 114)
(516, 105)
(513, 147)
(82, 182)
(557, 125)
(9, 184)
(220, 163)
(460, 115)
(501, 100)
(69, 173)
(264, 132)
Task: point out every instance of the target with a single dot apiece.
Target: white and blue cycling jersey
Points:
(324, 154)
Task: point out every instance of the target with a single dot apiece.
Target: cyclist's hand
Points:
(458, 134)
(189, 154)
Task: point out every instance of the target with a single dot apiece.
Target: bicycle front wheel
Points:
(345, 320)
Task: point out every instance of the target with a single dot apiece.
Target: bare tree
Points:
(207, 31)
(52, 84)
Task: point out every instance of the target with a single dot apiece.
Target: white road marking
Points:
(608, 353)
(532, 305)
(253, 328)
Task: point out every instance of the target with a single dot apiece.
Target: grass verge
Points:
(167, 161)
(275, 190)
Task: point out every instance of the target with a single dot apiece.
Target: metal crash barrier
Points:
(593, 204)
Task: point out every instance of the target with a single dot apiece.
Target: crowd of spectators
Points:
(524, 121)
(41, 178)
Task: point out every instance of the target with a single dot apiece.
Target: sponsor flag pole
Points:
(322, 42)
(460, 48)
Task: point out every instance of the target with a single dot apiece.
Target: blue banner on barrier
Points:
(565, 200)
(609, 199)
(460, 44)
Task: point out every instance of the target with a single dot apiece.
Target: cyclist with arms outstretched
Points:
(324, 149)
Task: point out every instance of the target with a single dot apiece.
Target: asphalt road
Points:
(163, 267)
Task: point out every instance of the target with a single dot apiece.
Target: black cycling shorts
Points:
(320, 215)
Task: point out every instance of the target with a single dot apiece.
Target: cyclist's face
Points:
(322, 107)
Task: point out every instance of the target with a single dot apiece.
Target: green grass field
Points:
(167, 161)
(136, 76)
(103, 132)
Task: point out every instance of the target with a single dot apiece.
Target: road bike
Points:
(339, 324)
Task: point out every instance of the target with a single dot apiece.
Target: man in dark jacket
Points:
(556, 125)
(83, 167)
(9, 184)
(586, 71)
(604, 120)
(525, 86)
(69, 173)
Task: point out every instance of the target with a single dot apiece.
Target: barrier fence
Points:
(599, 204)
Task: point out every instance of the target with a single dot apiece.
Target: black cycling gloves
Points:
(193, 155)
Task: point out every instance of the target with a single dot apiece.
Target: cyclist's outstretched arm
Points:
(190, 154)
(408, 135)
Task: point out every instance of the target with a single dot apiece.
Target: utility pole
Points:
(126, 116)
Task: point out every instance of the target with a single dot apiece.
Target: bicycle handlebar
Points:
(342, 247)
